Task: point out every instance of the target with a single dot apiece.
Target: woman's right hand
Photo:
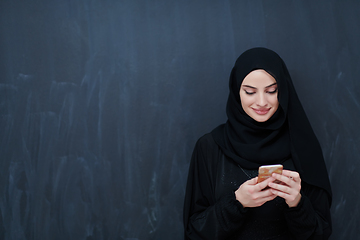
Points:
(251, 193)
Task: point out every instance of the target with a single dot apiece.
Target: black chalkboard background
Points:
(101, 103)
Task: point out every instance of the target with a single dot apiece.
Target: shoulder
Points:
(206, 142)
(206, 149)
(205, 157)
(206, 139)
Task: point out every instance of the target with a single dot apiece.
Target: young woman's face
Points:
(258, 95)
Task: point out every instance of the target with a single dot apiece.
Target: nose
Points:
(261, 101)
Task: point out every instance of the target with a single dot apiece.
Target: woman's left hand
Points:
(289, 188)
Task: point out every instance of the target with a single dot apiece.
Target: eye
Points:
(249, 93)
(272, 91)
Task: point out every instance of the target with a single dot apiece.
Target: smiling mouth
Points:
(261, 111)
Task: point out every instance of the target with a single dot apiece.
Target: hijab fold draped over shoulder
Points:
(287, 134)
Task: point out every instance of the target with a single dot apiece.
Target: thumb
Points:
(252, 181)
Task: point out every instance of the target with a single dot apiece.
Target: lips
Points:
(261, 111)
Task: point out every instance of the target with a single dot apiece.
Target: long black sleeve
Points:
(204, 216)
(311, 219)
(219, 221)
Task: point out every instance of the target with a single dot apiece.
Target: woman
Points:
(266, 125)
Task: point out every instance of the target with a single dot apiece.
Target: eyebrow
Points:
(256, 88)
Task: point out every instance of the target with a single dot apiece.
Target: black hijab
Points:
(287, 134)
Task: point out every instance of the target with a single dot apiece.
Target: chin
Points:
(262, 118)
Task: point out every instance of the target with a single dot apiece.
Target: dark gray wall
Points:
(101, 103)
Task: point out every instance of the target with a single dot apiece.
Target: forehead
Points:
(258, 78)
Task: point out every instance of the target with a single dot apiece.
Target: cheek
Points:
(245, 100)
(274, 102)
(243, 106)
